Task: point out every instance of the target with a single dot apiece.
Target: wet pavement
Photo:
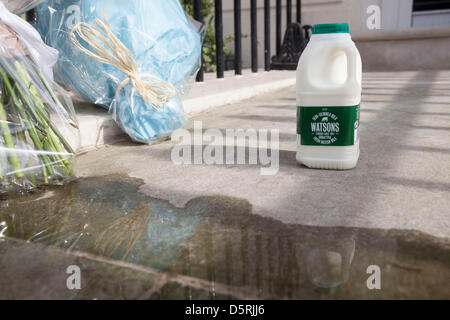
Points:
(215, 239)
(139, 227)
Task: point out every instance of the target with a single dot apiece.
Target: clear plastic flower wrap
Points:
(132, 57)
(21, 6)
(38, 128)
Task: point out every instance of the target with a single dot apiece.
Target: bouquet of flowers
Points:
(38, 128)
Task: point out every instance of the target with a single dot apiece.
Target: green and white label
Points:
(328, 126)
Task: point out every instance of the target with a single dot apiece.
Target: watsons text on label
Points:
(337, 126)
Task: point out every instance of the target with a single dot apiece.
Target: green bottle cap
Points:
(330, 28)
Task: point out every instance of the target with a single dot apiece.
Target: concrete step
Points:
(98, 128)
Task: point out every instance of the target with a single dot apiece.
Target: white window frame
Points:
(431, 18)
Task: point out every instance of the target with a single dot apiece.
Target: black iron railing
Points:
(219, 39)
(237, 38)
(267, 53)
(253, 33)
(198, 17)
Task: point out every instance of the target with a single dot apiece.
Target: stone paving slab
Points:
(402, 180)
(226, 231)
(33, 271)
(214, 248)
(97, 128)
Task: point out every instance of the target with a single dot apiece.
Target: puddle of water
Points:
(219, 239)
(105, 216)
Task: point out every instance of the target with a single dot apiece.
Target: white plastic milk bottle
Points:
(329, 77)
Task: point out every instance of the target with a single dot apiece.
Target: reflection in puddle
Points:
(3, 228)
(218, 239)
(329, 266)
(123, 233)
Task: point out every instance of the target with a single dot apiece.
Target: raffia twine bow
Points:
(110, 50)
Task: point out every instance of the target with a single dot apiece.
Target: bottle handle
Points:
(351, 54)
(312, 79)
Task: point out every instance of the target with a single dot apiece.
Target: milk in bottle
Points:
(328, 99)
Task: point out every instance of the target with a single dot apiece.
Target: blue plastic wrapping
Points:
(162, 40)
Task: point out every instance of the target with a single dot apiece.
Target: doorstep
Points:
(99, 129)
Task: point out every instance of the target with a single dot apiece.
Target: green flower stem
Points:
(49, 89)
(29, 124)
(26, 106)
(40, 105)
(9, 142)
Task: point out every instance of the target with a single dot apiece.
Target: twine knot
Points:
(110, 50)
